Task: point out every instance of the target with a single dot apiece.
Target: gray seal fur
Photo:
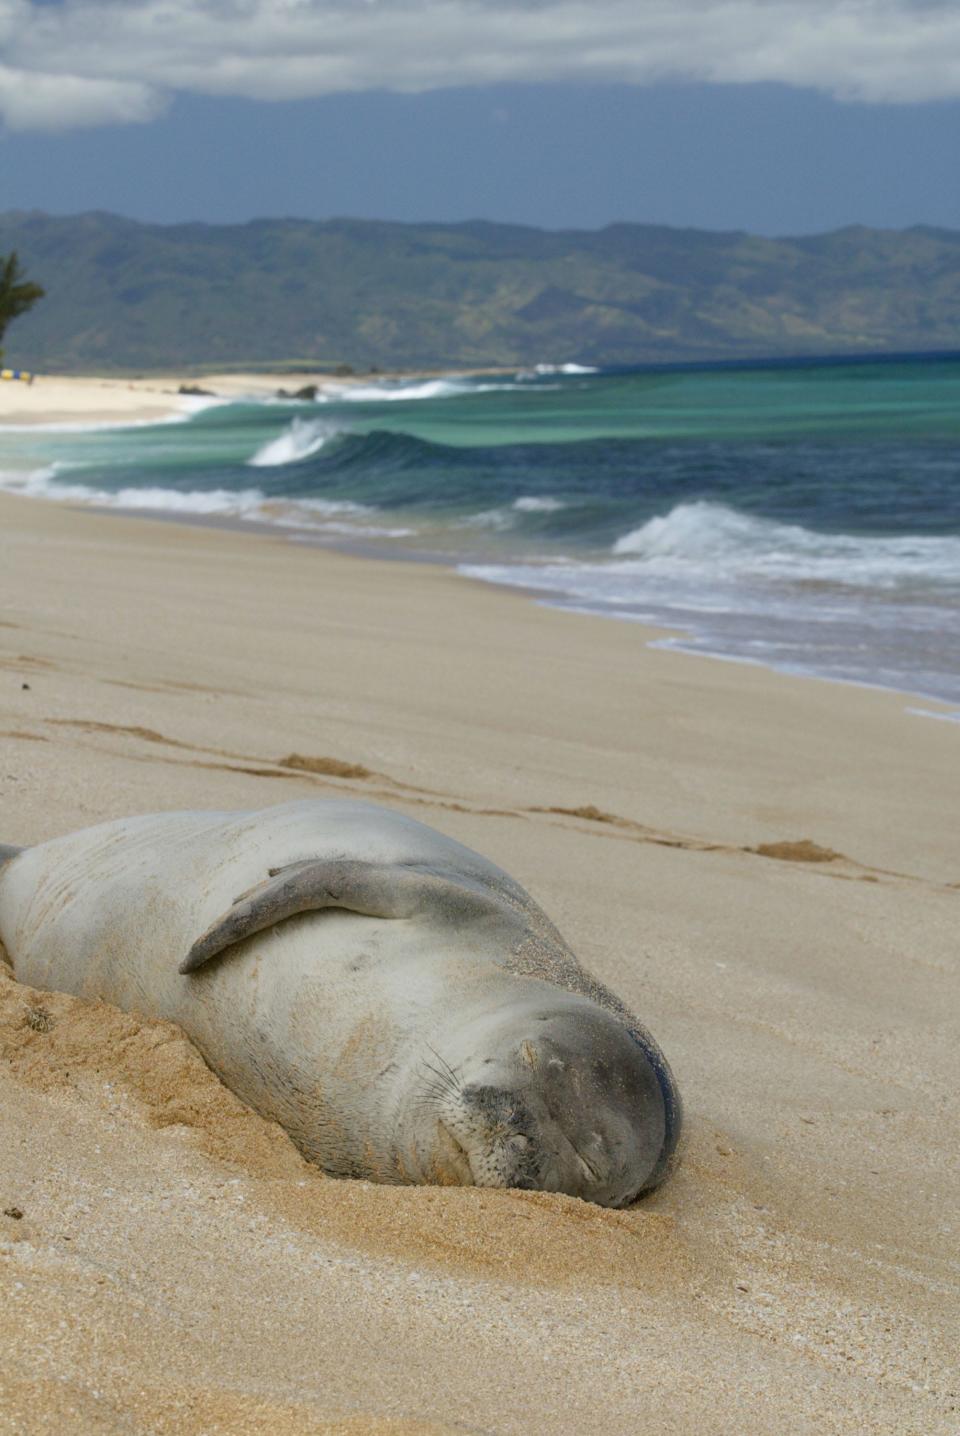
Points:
(397, 1002)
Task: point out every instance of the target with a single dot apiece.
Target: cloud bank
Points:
(88, 62)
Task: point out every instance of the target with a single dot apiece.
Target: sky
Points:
(774, 116)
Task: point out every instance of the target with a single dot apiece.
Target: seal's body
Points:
(398, 1003)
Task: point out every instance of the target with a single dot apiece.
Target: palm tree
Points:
(17, 295)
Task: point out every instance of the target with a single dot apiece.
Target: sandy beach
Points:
(90, 399)
(766, 868)
(60, 399)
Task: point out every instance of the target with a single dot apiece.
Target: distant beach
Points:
(113, 399)
(104, 399)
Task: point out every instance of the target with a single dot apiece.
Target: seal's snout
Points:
(581, 1105)
(606, 1108)
(500, 1133)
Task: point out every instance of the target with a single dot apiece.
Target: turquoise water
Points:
(805, 516)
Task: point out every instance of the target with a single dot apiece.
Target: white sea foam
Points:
(532, 504)
(489, 519)
(704, 539)
(48, 483)
(929, 713)
(507, 516)
(883, 611)
(357, 531)
(297, 442)
(387, 390)
(565, 369)
(330, 516)
(28, 481)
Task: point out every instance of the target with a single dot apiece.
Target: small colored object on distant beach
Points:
(17, 374)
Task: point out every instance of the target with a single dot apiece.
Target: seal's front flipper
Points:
(389, 890)
(6, 853)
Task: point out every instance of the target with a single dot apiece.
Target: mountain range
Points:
(122, 295)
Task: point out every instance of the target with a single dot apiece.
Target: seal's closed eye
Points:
(386, 890)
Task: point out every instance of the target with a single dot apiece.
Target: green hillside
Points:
(123, 295)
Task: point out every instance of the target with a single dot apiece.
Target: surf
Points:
(299, 441)
(807, 518)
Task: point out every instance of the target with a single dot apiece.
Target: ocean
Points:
(801, 515)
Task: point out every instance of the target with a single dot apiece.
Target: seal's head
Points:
(561, 1097)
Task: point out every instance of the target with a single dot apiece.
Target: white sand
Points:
(53, 398)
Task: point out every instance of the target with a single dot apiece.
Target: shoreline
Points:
(765, 869)
(370, 566)
(668, 637)
(665, 636)
(101, 400)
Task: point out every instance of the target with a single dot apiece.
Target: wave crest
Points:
(297, 442)
(535, 504)
(565, 369)
(709, 538)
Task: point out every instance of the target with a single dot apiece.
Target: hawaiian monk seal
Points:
(395, 1001)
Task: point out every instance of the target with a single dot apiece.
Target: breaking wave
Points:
(703, 539)
(389, 389)
(297, 442)
(565, 369)
(531, 504)
(881, 610)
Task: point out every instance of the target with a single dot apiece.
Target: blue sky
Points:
(775, 116)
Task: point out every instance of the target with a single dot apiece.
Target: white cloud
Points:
(112, 61)
(30, 100)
